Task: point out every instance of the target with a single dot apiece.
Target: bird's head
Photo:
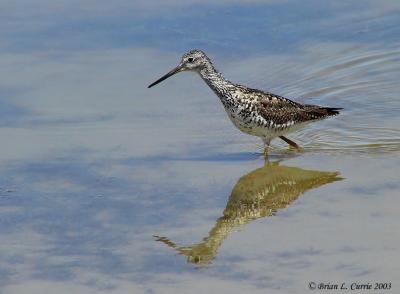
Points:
(194, 60)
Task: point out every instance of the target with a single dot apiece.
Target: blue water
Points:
(109, 187)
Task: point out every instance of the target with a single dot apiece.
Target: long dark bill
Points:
(172, 72)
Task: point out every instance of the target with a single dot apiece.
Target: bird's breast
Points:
(245, 119)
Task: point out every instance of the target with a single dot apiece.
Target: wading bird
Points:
(253, 111)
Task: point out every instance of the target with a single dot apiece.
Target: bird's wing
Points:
(285, 111)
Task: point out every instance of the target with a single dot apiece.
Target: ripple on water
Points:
(364, 84)
(351, 140)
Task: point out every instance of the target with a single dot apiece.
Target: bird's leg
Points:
(266, 148)
(290, 142)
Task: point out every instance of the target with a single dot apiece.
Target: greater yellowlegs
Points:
(253, 111)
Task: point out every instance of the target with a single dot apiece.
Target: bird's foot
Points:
(291, 143)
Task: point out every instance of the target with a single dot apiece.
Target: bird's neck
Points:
(215, 80)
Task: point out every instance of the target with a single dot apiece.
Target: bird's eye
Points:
(190, 59)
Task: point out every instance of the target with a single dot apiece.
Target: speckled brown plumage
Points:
(284, 110)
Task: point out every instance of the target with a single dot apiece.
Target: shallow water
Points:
(109, 187)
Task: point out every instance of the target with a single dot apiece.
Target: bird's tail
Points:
(315, 112)
(331, 111)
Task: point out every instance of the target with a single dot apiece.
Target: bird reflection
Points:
(257, 194)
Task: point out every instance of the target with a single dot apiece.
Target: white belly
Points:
(246, 126)
(252, 128)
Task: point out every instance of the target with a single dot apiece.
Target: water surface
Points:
(109, 187)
